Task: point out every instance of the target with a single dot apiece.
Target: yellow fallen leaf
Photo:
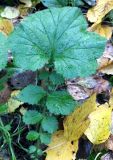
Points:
(76, 123)
(60, 148)
(13, 103)
(103, 30)
(6, 26)
(97, 12)
(100, 122)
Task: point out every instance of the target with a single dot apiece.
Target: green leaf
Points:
(60, 102)
(32, 135)
(90, 2)
(55, 3)
(31, 94)
(45, 138)
(73, 49)
(39, 152)
(49, 124)
(3, 108)
(32, 149)
(32, 117)
(62, 3)
(8, 127)
(3, 51)
(56, 79)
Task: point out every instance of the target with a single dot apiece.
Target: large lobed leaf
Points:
(55, 3)
(3, 51)
(58, 33)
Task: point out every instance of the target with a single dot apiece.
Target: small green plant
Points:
(56, 45)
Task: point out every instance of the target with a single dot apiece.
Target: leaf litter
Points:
(90, 119)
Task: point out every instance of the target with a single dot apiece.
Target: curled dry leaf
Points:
(82, 88)
(111, 98)
(100, 123)
(108, 69)
(6, 26)
(103, 30)
(97, 12)
(79, 119)
(5, 94)
(109, 143)
(106, 61)
(60, 148)
(107, 156)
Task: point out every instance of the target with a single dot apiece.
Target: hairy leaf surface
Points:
(3, 51)
(57, 35)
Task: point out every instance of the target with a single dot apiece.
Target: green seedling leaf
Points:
(32, 117)
(60, 102)
(32, 149)
(31, 94)
(3, 108)
(32, 135)
(45, 138)
(50, 124)
(56, 79)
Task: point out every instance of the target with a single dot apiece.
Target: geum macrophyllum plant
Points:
(54, 43)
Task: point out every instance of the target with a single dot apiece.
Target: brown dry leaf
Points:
(13, 103)
(101, 86)
(60, 148)
(100, 123)
(82, 88)
(96, 13)
(107, 57)
(79, 119)
(109, 143)
(103, 30)
(111, 99)
(108, 69)
(6, 26)
(107, 156)
(5, 94)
